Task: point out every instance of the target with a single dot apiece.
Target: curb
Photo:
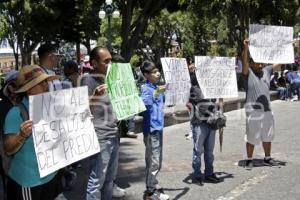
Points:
(173, 117)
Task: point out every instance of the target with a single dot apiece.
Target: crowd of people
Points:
(21, 177)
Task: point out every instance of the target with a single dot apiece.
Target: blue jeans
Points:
(204, 142)
(153, 158)
(282, 93)
(104, 167)
(295, 86)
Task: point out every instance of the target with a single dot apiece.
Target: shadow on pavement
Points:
(221, 175)
(260, 163)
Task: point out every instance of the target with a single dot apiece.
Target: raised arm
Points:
(276, 67)
(245, 57)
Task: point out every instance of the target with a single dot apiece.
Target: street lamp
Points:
(109, 9)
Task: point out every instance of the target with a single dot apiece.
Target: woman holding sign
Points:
(24, 180)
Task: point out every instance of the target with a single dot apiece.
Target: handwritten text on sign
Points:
(271, 44)
(123, 92)
(177, 79)
(216, 76)
(63, 132)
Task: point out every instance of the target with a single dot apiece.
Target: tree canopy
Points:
(143, 22)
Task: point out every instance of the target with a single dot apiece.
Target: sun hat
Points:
(30, 76)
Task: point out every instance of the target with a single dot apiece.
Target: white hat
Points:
(285, 71)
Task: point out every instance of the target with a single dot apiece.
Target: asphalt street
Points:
(262, 182)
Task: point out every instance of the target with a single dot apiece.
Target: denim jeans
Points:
(295, 86)
(204, 142)
(104, 167)
(153, 158)
(282, 93)
(130, 124)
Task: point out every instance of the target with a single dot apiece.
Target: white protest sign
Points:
(63, 132)
(216, 76)
(177, 79)
(271, 44)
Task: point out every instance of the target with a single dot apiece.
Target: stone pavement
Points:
(263, 182)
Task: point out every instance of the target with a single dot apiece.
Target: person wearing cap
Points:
(259, 117)
(24, 180)
(103, 165)
(7, 100)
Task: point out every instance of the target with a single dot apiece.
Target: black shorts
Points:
(47, 191)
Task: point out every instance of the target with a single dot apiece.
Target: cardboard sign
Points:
(271, 44)
(63, 132)
(216, 77)
(177, 80)
(123, 92)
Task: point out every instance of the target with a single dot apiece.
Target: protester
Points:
(126, 126)
(153, 124)
(71, 72)
(260, 119)
(238, 69)
(104, 164)
(294, 80)
(48, 59)
(274, 85)
(203, 134)
(7, 100)
(191, 68)
(24, 180)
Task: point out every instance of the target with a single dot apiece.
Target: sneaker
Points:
(197, 180)
(188, 136)
(61, 196)
(294, 98)
(157, 195)
(248, 164)
(118, 192)
(212, 179)
(131, 135)
(270, 162)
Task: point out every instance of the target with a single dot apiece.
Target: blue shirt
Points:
(154, 115)
(293, 77)
(23, 167)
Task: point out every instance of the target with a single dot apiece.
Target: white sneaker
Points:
(164, 196)
(161, 196)
(295, 98)
(118, 192)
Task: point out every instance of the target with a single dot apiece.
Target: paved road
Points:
(261, 183)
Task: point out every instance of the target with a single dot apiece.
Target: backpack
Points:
(5, 159)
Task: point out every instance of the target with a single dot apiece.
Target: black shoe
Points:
(270, 162)
(213, 179)
(197, 180)
(248, 164)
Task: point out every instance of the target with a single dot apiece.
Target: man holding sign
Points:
(260, 120)
(104, 164)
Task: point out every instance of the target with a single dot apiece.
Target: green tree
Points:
(136, 16)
